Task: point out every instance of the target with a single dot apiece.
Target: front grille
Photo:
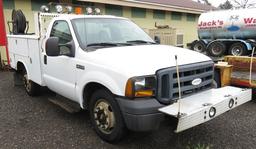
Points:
(168, 91)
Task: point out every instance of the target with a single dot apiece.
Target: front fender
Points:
(115, 84)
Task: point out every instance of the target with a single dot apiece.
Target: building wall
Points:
(28, 8)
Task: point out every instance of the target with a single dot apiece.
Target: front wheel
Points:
(106, 116)
(31, 87)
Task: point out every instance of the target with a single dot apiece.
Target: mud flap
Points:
(204, 106)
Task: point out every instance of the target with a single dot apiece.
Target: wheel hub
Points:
(27, 83)
(216, 49)
(198, 48)
(236, 51)
(104, 116)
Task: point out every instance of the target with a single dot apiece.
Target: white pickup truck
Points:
(111, 67)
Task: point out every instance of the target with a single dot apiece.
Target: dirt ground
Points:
(35, 123)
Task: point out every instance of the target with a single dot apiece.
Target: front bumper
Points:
(141, 114)
(194, 110)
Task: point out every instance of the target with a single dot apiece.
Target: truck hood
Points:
(144, 59)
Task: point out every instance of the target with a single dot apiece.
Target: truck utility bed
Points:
(26, 49)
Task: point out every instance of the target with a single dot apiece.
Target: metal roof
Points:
(180, 3)
(187, 6)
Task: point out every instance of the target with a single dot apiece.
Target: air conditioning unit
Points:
(168, 36)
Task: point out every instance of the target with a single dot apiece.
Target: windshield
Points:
(92, 32)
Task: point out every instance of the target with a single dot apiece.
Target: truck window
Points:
(107, 30)
(61, 30)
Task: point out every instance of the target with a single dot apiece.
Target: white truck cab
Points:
(111, 67)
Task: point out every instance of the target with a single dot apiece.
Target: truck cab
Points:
(111, 67)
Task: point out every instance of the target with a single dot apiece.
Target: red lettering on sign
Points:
(213, 23)
(248, 20)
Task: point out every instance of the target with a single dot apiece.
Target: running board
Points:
(66, 104)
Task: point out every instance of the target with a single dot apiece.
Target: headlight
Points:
(59, 8)
(144, 86)
(44, 8)
(97, 11)
(89, 10)
(69, 9)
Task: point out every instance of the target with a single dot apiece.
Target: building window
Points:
(138, 13)
(176, 15)
(159, 14)
(191, 17)
(36, 4)
(8, 4)
(114, 10)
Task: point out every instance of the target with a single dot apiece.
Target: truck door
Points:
(58, 71)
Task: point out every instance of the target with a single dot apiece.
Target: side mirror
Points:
(52, 46)
(67, 49)
(157, 39)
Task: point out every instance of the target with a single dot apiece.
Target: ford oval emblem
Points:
(196, 81)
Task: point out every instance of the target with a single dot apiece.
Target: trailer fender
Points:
(247, 44)
(205, 41)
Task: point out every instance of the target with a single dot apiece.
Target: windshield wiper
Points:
(102, 44)
(140, 41)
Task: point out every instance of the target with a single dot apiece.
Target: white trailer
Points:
(111, 67)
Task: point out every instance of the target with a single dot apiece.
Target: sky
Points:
(217, 2)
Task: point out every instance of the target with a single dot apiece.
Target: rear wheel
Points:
(199, 46)
(31, 87)
(106, 116)
(238, 49)
(217, 49)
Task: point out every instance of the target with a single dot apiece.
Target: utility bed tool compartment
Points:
(26, 49)
(195, 109)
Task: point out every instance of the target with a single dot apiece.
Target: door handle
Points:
(45, 59)
(79, 66)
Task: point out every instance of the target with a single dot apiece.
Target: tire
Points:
(106, 117)
(15, 22)
(199, 46)
(19, 22)
(238, 49)
(31, 87)
(216, 49)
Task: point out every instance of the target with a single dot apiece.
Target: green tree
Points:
(204, 1)
(226, 5)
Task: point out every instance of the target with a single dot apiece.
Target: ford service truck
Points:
(226, 32)
(112, 68)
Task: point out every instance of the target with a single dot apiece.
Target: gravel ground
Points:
(35, 123)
